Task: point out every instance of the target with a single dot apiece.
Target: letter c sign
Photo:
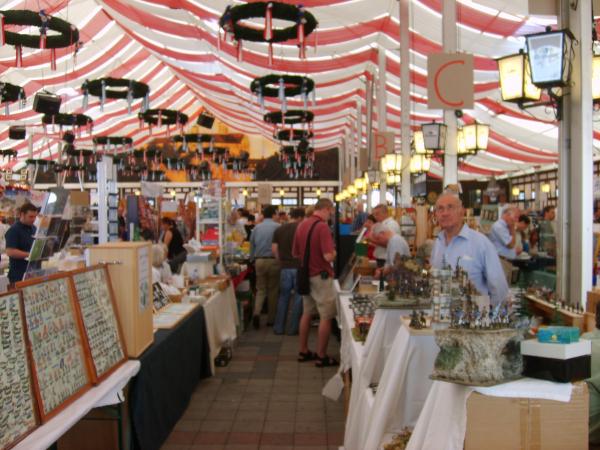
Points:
(450, 81)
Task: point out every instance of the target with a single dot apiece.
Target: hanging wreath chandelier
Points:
(192, 138)
(290, 135)
(8, 155)
(290, 117)
(67, 35)
(283, 86)
(116, 88)
(161, 117)
(303, 24)
(298, 160)
(79, 161)
(76, 121)
(114, 144)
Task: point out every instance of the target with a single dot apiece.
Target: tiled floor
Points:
(263, 400)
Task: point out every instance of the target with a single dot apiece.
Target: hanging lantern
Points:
(434, 136)
(515, 79)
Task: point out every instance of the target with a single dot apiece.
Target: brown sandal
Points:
(308, 356)
(326, 361)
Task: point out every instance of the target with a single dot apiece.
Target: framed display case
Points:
(100, 322)
(18, 413)
(131, 278)
(61, 366)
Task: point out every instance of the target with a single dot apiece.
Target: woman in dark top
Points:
(174, 242)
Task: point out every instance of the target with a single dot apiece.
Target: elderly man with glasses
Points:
(457, 244)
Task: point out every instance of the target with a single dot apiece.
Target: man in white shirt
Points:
(503, 233)
(396, 245)
(378, 235)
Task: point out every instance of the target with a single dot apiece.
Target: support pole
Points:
(381, 112)
(358, 147)
(369, 118)
(449, 46)
(405, 101)
(575, 171)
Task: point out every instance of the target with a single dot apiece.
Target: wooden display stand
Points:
(547, 310)
(131, 276)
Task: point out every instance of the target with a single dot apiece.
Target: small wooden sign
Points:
(450, 81)
(381, 144)
(265, 193)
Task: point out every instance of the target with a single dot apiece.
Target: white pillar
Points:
(381, 111)
(449, 46)
(575, 236)
(369, 99)
(405, 101)
(358, 139)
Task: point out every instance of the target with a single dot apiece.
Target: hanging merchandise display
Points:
(76, 121)
(161, 117)
(112, 144)
(11, 93)
(282, 86)
(303, 24)
(81, 162)
(116, 88)
(67, 35)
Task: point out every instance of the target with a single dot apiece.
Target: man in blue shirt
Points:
(267, 267)
(503, 233)
(19, 239)
(458, 244)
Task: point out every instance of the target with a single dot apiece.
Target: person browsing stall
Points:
(503, 233)
(457, 244)
(19, 239)
(283, 238)
(395, 245)
(322, 296)
(378, 236)
(267, 267)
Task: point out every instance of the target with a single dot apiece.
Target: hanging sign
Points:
(381, 144)
(450, 81)
(265, 192)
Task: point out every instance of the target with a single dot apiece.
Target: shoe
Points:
(308, 356)
(256, 322)
(326, 361)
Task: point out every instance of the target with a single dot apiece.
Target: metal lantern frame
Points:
(548, 48)
(515, 79)
(434, 136)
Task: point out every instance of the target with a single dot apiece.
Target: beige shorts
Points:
(321, 298)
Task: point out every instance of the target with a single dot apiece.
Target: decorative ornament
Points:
(68, 120)
(160, 117)
(8, 155)
(67, 35)
(303, 21)
(116, 88)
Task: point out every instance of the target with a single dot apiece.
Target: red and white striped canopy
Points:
(172, 45)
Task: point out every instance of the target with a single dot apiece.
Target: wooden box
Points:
(129, 265)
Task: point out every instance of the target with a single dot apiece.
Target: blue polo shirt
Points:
(19, 236)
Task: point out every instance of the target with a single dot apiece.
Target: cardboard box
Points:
(495, 423)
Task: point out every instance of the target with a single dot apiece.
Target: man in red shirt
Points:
(322, 295)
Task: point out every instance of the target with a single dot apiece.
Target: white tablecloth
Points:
(109, 392)
(222, 319)
(403, 387)
(443, 422)
(369, 369)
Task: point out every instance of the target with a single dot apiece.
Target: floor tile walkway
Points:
(263, 400)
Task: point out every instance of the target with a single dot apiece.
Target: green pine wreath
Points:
(116, 87)
(290, 117)
(112, 140)
(68, 33)
(67, 119)
(168, 117)
(294, 85)
(231, 18)
(296, 135)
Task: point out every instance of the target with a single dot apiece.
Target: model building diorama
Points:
(480, 344)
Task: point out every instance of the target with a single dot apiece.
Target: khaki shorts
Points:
(321, 298)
